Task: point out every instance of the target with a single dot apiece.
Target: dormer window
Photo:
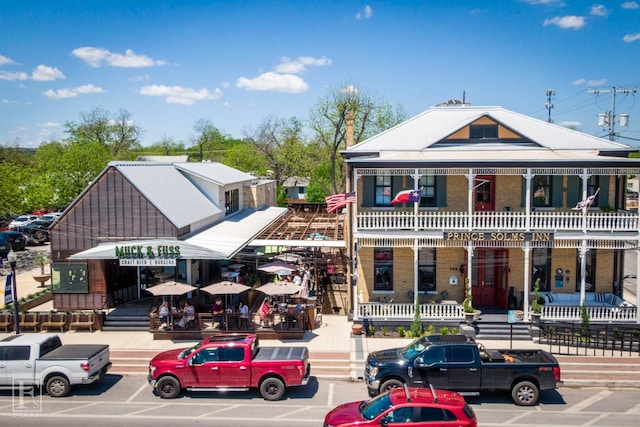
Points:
(483, 132)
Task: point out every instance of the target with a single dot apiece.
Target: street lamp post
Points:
(12, 258)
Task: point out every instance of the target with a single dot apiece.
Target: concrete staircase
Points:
(494, 326)
(126, 322)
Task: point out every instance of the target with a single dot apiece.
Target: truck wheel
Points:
(58, 386)
(272, 389)
(168, 387)
(525, 393)
(390, 384)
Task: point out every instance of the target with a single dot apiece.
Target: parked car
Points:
(463, 367)
(51, 216)
(230, 362)
(22, 220)
(12, 240)
(420, 407)
(42, 360)
(37, 232)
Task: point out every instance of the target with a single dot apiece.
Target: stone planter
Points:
(356, 329)
(42, 279)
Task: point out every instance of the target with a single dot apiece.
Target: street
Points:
(129, 400)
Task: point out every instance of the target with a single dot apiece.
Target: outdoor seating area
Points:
(591, 299)
(34, 321)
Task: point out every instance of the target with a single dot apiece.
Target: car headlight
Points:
(373, 372)
(152, 370)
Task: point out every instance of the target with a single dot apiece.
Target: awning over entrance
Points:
(222, 241)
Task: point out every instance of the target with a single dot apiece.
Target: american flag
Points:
(338, 201)
(586, 203)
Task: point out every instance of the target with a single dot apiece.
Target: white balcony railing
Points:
(496, 221)
(596, 313)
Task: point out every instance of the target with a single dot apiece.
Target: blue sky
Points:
(170, 63)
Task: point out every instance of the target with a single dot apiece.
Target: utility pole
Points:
(549, 105)
(609, 119)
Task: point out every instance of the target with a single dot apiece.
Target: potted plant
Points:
(470, 313)
(536, 307)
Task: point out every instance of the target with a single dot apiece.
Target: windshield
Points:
(414, 347)
(187, 351)
(374, 407)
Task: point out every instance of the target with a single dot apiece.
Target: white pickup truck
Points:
(41, 360)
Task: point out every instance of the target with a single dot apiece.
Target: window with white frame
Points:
(383, 190)
(427, 270)
(383, 269)
(427, 185)
(542, 185)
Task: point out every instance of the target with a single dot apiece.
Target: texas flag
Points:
(407, 196)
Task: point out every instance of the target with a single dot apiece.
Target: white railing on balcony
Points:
(596, 313)
(404, 311)
(537, 220)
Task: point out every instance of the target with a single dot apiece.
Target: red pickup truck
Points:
(230, 362)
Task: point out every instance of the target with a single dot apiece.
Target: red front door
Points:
(484, 193)
(489, 278)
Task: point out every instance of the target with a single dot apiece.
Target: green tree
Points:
(327, 119)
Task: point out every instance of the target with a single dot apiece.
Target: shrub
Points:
(416, 324)
(584, 316)
(466, 304)
(431, 330)
(401, 331)
(385, 331)
(536, 307)
(444, 330)
(372, 330)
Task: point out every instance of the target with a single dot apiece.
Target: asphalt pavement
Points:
(335, 353)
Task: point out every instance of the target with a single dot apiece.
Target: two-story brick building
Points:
(498, 197)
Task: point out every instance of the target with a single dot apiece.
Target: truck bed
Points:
(75, 351)
(281, 353)
(516, 356)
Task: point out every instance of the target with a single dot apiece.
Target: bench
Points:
(591, 299)
(54, 320)
(30, 320)
(6, 321)
(82, 320)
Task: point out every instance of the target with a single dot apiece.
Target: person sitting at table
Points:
(264, 312)
(163, 313)
(218, 313)
(188, 315)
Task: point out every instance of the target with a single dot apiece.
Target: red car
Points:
(421, 407)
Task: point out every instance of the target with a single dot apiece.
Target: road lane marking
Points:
(330, 396)
(134, 395)
(590, 401)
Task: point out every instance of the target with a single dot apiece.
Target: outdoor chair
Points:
(82, 320)
(30, 320)
(6, 321)
(54, 320)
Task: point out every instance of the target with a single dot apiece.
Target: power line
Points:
(608, 119)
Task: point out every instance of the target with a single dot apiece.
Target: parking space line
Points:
(134, 395)
(330, 396)
(590, 401)
(634, 410)
(287, 414)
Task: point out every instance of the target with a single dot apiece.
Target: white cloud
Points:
(96, 56)
(18, 75)
(298, 65)
(630, 5)
(546, 2)
(586, 82)
(365, 13)
(287, 83)
(571, 124)
(49, 124)
(599, 10)
(43, 73)
(179, 94)
(566, 22)
(142, 78)
(72, 92)
(5, 61)
(350, 89)
(631, 37)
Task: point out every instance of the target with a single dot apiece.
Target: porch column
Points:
(527, 270)
(470, 177)
(416, 182)
(637, 286)
(470, 249)
(527, 199)
(583, 269)
(585, 177)
(416, 250)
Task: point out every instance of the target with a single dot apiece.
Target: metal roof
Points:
(421, 132)
(169, 191)
(215, 172)
(232, 234)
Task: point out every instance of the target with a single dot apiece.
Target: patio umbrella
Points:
(225, 288)
(279, 288)
(276, 265)
(170, 288)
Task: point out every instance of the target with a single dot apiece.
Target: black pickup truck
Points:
(465, 367)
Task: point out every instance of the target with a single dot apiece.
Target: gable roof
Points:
(215, 172)
(169, 191)
(424, 131)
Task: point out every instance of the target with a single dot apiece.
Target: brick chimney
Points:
(349, 134)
